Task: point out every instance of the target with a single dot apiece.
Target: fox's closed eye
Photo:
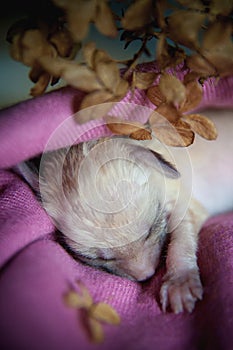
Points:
(99, 259)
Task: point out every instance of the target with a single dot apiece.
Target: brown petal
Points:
(89, 51)
(223, 7)
(218, 47)
(155, 96)
(143, 80)
(138, 15)
(190, 77)
(75, 300)
(194, 94)
(121, 89)
(85, 293)
(35, 73)
(95, 98)
(79, 14)
(34, 45)
(105, 313)
(101, 56)
(172, 88)
(97, 111)
(104, 20)
(176, 135)
(76, 75)
(141, 134)
(96, 330)
(196, 5)
(169, 111)
(184, 27)
(202, 126)
(63, 42)
(41, 85)
(217, 35)
(200, 65)
(108, 73)
(122, 127)
(16, 47)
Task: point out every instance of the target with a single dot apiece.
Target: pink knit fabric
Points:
(36, 270)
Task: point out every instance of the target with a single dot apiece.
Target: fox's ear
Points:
(155, 160)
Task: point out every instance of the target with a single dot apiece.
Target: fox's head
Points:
(108, 199)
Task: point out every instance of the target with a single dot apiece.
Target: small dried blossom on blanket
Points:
(93, 315)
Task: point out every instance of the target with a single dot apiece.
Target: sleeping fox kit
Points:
(117, 200)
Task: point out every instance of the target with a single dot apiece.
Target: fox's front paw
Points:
(181, 291)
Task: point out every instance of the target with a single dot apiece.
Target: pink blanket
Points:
(36, 270)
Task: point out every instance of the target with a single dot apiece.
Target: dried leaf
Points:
(97, 111)
(223, 7)
(161, 7)
(96, 331)
(15, 48)
(122, 127)
(143, 80)
(190, 77)
(155, 96)
(101, 56)
(157, 119)
(172, 88)
(138, 15)
(218, 47)
(108, 73)
(202, 126)
(121, 89)
(169, 111)
(200, 65)
(104, 20)
(141, 134)
(217, 36)
(196, 5)
(161, 48)
(79, 14)
(96, 97)
(105, 313)
(89, 51)
(168, 56)
(76, 75)
(63, 42)
(31, 46)
(35, 73)
(184, 27)
(194, 94)
(178, 134)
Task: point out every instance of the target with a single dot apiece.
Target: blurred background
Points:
(14, 82)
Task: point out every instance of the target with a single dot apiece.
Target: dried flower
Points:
(197, 34)
(173, 98)
(94, 314)
(80, 13)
